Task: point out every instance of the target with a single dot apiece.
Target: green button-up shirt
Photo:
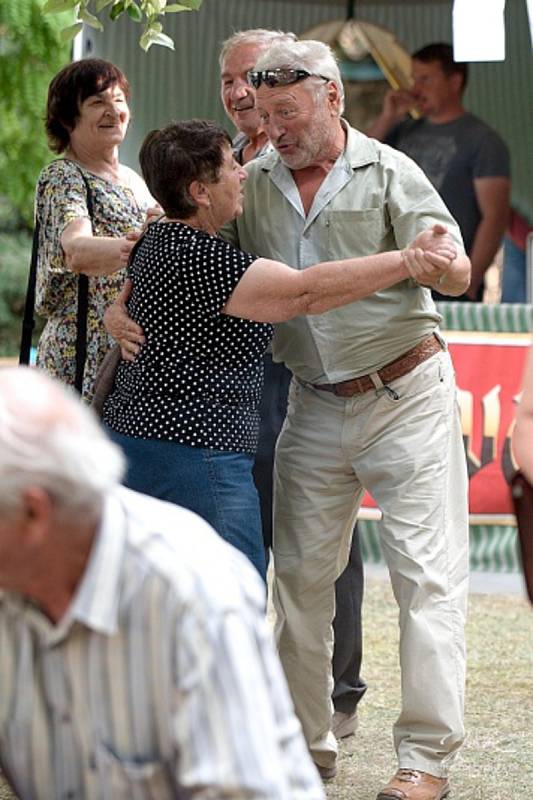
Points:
(374, 199)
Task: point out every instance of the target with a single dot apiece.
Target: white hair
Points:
(261, 37)
(315, 57)
(50, 440)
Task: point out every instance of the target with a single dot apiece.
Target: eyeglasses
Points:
(279, 77)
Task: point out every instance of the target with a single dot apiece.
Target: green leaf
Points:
(163, 40)
(146, 39)
(156, 6)
(151, 36)
(134, 12)
(175, 7)
(90, 20)
(57, 6)
(71, 31)
(192, 5)
(100, 4)
(116, 10)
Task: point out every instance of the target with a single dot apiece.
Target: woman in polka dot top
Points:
(185, 411)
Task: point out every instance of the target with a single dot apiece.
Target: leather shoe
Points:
(411, 784)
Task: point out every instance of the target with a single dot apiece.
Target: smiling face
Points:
(238, 97)
(103, 120)
(301, 120)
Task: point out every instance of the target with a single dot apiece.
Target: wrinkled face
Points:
(432, 88)
(238, 97)
(226, 194)
(103, 119)
(298, 120)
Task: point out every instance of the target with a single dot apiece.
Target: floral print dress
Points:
(61, 197)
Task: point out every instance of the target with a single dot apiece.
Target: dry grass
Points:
(496, 762)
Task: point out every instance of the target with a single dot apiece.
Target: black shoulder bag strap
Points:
(28, 323)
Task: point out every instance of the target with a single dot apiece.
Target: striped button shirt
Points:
(159, 682)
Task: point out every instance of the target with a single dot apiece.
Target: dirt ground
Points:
(496, 763)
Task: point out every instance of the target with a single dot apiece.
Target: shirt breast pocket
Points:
(133, 777)
(356, 233)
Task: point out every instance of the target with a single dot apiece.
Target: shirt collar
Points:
(96, 601)
(239, 143)
(360, 150)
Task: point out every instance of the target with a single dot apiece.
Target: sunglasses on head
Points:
(279, 77)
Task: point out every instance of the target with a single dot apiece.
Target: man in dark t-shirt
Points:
(467, 161)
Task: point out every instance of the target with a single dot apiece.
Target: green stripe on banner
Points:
(493, 548)
(503, 318)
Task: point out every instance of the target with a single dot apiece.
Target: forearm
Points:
(523, 432)
(121, 327)
(94, 255)
(487, 240)
(456, 280)
(523, 444)
(336, 283)
(272, 292)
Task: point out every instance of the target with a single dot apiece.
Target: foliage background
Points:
(31, 52)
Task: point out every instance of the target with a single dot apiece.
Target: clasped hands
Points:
(429, 258)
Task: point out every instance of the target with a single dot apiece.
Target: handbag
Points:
(522, 494)
(105, 377)
(28, 323)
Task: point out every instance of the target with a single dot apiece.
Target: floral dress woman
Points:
(118, 208)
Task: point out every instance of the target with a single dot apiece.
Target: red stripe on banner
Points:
(489, 378)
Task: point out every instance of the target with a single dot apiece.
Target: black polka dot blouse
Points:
(199, 376)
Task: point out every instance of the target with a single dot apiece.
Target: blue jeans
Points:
(217, 485)
(514, 273)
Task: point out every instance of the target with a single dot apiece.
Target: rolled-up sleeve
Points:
(413, 203)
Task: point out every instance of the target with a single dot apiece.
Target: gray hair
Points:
(261, 37)
(313, 56)
(50, 440)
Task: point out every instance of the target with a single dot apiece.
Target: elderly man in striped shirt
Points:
(134, 657)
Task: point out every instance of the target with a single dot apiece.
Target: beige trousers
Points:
(409, 453)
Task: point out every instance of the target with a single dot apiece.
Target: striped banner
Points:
(493, 548)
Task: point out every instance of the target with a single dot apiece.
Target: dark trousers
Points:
(348, 649)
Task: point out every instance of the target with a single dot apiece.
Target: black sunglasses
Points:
(279, 77)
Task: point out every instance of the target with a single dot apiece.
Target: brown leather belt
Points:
(390, 372)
